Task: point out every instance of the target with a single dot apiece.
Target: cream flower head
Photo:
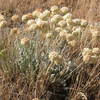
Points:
(30, 22)
(86, 58)
(77, 31)
(25, 41)
(73, 43)
(33, 27)
(58, 29)
(96, 51)
(54, 8)
(49, 35)
(62, 23)
(55, 57)
(64, 10)
(77, 21)
(3, 24)
(42, 24)
(84, 23)
(90, 55)
(26, 17)
(87, 51)
(56, 18)
(36, 13)
(44, 15)
(15, 18)
(80, 96)
(67, 16)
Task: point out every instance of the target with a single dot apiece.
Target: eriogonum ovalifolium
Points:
(54, 27)
(58, 24)
(52, 38)
(50, 46)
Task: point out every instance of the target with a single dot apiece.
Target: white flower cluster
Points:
(27, 17)
(91, 55)
(55, 57)
(25, 41)
(15, 18)
(56, 20)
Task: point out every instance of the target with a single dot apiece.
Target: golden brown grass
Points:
(15, 85)
(82, 8)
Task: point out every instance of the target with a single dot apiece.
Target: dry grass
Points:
(88, 9)
(16, 84)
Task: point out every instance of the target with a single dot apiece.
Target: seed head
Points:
(36, 14)
(3, 24)
(77, 32)
(73, 43)
(58, 29)
(44, 15)
(25, 41)
(62, 23)
(33, 27)
(84, 23)
(42, 24)
(49, 35)
(87, 51)
(96, 51)
(86, 58)
(80, 96)
(56, 18)
(69, 22)
(76, 21)
(64, 10)
(54, 9)
(15, 18)
(30, 22)
(55, 57)
(67, 16)
(27, 17)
